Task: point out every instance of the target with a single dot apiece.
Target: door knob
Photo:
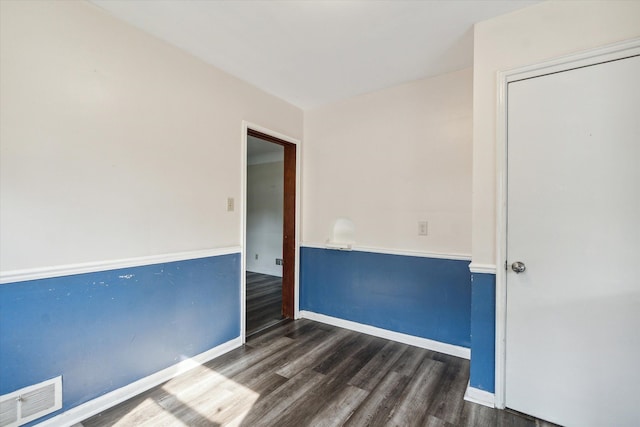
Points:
(518, 267)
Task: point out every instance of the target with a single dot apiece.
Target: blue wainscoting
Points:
(483, 326)
(424, 297)
(104, 330)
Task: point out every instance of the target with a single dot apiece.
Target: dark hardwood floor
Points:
(304, 373)
(264, 301)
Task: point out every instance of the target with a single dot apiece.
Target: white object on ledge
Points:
(338, 246)
(342, 235)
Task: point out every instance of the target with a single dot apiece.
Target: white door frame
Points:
(603, 54)
(243, 235)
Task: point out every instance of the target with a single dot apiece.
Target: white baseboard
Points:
(481, 397)
(268, 272)
(428, 344)
(106, 401)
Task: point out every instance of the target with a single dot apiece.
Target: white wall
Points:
(265, 199)
(113, 143)
(389, 159)
(528, 36)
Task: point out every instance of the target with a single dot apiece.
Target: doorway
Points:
(572, 203)
(270, 249)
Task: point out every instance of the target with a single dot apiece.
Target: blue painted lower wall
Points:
(483, 326)
(104, 330)
(424, 297)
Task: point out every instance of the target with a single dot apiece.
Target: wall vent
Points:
(30, 403)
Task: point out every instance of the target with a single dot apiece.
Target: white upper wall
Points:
(389, 159)
(113, 143)
(529, 36)
(265, 205)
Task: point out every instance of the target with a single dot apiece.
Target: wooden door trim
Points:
(289, 221)
(292, 183)
(591, 57)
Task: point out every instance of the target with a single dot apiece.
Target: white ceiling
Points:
(259, 147)
(318, 51)
(261, 151)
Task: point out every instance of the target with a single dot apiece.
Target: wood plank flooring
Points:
(264, 301)
(304, 373)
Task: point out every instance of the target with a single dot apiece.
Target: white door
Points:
(573, 220)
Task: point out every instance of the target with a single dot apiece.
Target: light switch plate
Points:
(423, 228)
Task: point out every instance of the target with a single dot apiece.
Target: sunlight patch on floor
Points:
(200, 396)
